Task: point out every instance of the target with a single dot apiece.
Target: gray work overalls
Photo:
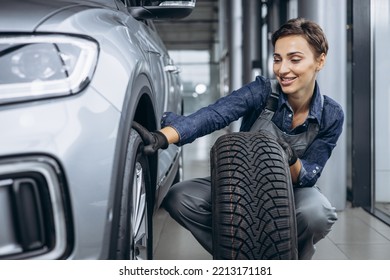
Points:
(299, 142)
(189, 202)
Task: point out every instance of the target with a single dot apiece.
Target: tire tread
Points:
(253, 206)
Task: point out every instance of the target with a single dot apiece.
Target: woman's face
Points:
(295, 65)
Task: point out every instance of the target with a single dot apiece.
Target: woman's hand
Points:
(153, 140)
(290, 153)
(292, 159)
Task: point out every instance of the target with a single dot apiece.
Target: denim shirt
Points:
(248, 102)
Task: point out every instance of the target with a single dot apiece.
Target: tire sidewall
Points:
(125, 236)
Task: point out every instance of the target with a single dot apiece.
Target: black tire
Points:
(253, 203)
(179, 173)
(135, 223)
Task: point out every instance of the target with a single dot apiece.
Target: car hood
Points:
(27, 15)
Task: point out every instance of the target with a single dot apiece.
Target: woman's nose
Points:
(284, 67)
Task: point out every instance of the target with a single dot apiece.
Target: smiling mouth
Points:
(285, 81)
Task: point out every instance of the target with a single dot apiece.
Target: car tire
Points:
(253, 204)
(135, 222)
(179, 173)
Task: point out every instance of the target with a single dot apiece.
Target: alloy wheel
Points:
(139, 225)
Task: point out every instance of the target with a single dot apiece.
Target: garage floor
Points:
(356, 235)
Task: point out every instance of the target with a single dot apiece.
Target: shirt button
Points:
(314, 171)
(290, 115)
(317, 167)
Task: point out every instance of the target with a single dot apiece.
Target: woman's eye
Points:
(276, 60)
(295, 60)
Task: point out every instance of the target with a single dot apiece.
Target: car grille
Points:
(32, 210)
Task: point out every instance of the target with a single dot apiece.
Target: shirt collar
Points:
(315, 106)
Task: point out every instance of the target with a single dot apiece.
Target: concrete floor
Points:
(357, 235)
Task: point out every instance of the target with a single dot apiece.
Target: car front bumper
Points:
(56, 161)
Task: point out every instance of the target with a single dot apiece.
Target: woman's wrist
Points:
(295, 169)
(171, 134)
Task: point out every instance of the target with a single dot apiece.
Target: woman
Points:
(308, 121)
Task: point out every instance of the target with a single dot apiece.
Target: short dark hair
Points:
(310, 30)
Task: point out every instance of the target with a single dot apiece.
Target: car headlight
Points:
(43, 66)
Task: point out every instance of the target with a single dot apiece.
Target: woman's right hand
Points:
(153, 140)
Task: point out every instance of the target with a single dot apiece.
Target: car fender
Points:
(138, 90)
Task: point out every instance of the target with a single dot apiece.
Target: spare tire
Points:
(253, 203)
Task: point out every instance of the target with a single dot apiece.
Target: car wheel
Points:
(135, 223)
(253, 205)
(179, 173)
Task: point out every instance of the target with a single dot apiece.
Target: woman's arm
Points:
(315, 157)
(218, 115)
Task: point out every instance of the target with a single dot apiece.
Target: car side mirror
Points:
(163, 10)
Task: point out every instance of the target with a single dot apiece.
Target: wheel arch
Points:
(137, 106)
(145, 115)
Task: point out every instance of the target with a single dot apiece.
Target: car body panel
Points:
(148, 57)
(82, 132)
(38, 11)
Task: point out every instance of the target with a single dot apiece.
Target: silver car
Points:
(74, 75)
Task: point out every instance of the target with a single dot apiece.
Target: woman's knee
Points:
(189, 198)
(172, 200)
(317, 218)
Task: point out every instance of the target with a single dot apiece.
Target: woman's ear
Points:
(321, 62)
